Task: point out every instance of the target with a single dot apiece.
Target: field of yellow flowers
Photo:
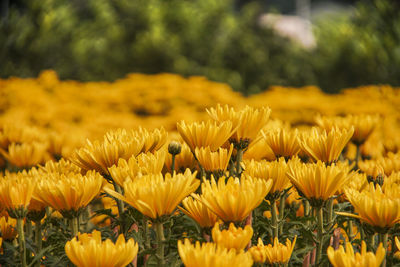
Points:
(161, 170)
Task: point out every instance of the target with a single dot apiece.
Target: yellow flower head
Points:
(236, 238)
(25, 155)
(100, 156)
(342, 258)
(214, 161)
(234, 199)
(211, 255)
(248, 122)
(205, 134)
(145, 163)
(183, 160)
(397, 253)
(199, 212)
(11, 133)
(390, 163)
(154, 195)
(357, 182)
(275, 170)
(375, 207)
(363, 125)
(16, 192)
(153, 140)
(61, 166)
(278, 253)
(284, 143)
(258, 151)
(325, 146)
(7, 228)
(316, 181)
(68, 193)
(87, 250)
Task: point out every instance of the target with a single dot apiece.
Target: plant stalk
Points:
(173, 164)
(21, 240)
(121, 208)
(74, 225)
(384, 239)
(282, 211)
(38, 238)
(239, 157)
(320, 233)
(160, 243)
(274, 221)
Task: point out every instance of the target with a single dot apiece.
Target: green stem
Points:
(21, 240)
(74, 225)
(173, 164)
(160, 243)
(384, 239)
(274, 221)
(146, 233)
(121, 208)
(38, 238)
(320, 232)
(351, 231)
(330, 211)
(282, 211)
(28, 227)
(239, 157)
(306, 210)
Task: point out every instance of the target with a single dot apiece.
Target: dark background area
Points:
(356, 42)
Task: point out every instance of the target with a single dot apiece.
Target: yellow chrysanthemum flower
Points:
(214, 161)
(25, 155)
(69, 193)
(19, 134)
(199, 212)
(145, 163)
(15, 193)
(363, 125)
(248, 122)
(236, 238)
(87, 250)
(375, 207)
(7, 228)
(153, 140)
(342, 258)
(211, 255)
(390, 163)
(62, 167)
(258, 151)
(276, 254)
(317, 182)
(284, 143)
(205, 134)
(100, 156)
(154, 195)
(325, 146)
(234, 199)
(357, 182)
(275, 170)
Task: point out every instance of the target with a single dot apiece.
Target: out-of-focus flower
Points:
(145, 163)
(87, 250)
(284, 143)
(68, 194)
(317, 182)
(357, 182)
(325, 146)
(363, 125)
(211, 255)
(7, 228)
(16, 193)
(275, 170)
(342, 258)
(62, 167)
(258, 151)
(154, 195)
(205, 134)
(374, 207)
(234, 199)
(248, 122)
(273, 254)
(390, 163)
(236, 238)
(199, 212)
(25, 155)
(217, 161)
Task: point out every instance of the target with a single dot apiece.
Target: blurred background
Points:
(251, 45)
